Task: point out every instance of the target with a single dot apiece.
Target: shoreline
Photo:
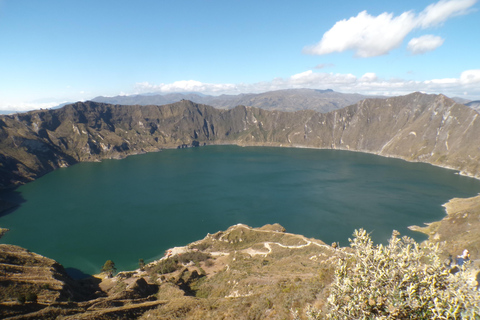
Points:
(426, 229)
(457, 230)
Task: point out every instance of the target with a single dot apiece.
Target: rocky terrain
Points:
(259, 273)
(240, 273)
(475, 105)
(281, 100)
(416, 127)
(459, 229)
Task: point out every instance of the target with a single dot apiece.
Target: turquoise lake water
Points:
(140, 206)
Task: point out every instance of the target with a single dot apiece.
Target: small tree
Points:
(401, 280)
(109, 268)
(141, 264)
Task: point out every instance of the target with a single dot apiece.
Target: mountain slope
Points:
(416, 127)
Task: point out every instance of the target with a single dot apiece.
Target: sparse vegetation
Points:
(402, 280)
(305, 279)
(172, 264)
(195, 256)
(202, 246)
(166, 265)
(209, 263)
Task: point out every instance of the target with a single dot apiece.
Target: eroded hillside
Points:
(239, 273)
(417, 127)
(242, 271)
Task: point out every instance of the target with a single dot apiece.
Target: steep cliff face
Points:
(416, 127)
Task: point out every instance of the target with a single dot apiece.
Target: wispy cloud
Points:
(185, 86)
(437, 13)
(424, 44)
(370, 36)
(324, 65)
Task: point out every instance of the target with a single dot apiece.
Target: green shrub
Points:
(167, 265)
(195, 256)
(401, 280)
(201, 246)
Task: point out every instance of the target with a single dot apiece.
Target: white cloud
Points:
(439, 12)
(470, 77)
(369, 77)
(367, 35)
(310, 78)
(424, 44)
(26, 106)
(184, 86)
(370, 36)
(448, 81)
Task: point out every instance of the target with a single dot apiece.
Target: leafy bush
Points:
(401, 280)
(167, 265)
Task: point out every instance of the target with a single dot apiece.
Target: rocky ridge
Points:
(416, 127)
(475, 105)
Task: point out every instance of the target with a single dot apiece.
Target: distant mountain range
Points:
(416, 127)
(283, 100)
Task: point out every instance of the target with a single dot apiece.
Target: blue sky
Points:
(55, 51)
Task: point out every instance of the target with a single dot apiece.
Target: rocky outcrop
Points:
(269, 271)
(3, 231)
(475, 105)
(416, 127)
(30, 281)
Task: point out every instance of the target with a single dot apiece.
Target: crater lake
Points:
(136, 208)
